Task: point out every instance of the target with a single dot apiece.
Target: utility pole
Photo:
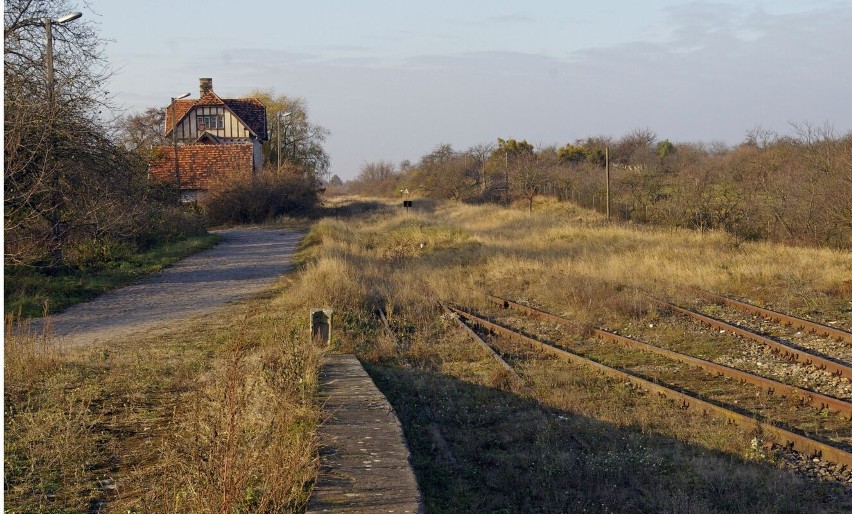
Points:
(278, 168)
(606, 156)
(55, 216)
(174, 141)
(48, 58)
(48, 27)
(288, 113)
(174, 144)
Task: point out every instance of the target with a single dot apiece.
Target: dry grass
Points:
(219, 415)
(515, 454)
(46, 430)
(216, 416)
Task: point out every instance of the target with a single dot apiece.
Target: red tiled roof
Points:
(209, 98)
(182, 107)
(252, 112)
(202, 166)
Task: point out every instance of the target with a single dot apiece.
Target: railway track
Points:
(783, 437)
(784, 319)
(794, 354)
(488, 349)
(819, 401)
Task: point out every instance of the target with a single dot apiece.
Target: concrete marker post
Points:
(321, 325)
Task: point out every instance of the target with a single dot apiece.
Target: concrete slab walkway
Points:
(363, 454)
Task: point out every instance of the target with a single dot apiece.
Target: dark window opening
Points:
(215, 121)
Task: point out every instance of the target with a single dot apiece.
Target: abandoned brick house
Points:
(217, 139)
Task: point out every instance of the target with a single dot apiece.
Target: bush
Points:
(169, 223)
(261, 199)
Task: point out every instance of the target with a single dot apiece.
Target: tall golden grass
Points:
(219, 415)
(573, 262)
(562, 255)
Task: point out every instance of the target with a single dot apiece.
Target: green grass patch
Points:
(29, 290)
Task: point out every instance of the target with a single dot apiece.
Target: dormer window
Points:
(210, 122)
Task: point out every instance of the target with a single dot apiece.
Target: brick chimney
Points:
(205, 85)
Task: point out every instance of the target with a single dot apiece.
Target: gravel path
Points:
(246, 262)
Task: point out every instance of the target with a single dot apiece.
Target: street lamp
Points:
(48, 28)
(174, 139)
(288, 113)
(55, 217)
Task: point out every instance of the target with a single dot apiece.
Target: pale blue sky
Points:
(393, 79)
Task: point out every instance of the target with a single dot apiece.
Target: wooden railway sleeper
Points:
(793, 354)
(812, 397)
(792, 440)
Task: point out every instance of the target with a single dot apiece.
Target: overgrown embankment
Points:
(582, 441)
(789, 189)
(220, 413)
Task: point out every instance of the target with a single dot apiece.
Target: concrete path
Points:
(363, 455)
(246, 262)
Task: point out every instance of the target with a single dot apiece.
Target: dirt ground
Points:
(246, 262)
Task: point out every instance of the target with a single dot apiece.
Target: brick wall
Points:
(203, 165)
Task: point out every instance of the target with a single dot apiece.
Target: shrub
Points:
(168, 223)
(261, 199)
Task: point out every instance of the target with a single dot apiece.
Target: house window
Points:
(211, 122)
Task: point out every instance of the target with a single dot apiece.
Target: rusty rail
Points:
(481, 342)
(821, 401)
(785, 438)
(784, 319)
(794, 354)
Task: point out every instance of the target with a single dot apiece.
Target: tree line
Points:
(793, 188)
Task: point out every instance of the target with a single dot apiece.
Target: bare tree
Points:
(378, 171)
(530, 175)
(301, 140)
(141, 132)
(480, 154)
(637, 148)
(64, 178)
(444, 173)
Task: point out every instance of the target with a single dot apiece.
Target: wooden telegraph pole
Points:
(606, 156)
